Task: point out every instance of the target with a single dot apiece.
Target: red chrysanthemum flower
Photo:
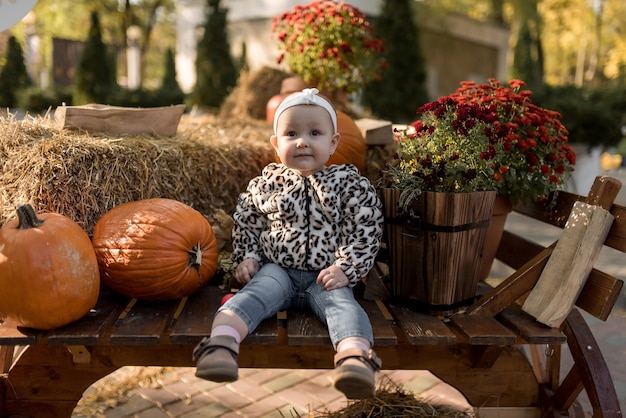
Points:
(492, 130)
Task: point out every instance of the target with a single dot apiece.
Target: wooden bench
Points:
(482, 352)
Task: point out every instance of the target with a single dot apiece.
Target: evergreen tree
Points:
(242, 64)
(525, 66)
(169, 85)
(402, 88)
(13, 75)
(216, 73)
(95, 75)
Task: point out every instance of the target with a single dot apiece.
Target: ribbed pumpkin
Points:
(352, 148)
(48, 270)
(155, 249)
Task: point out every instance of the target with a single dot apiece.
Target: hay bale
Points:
(206, 165)
(252, 93)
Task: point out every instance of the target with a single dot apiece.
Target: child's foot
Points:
(354, 373)
(216, 359)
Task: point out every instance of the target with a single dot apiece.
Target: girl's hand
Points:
(246, 270)
(332, 278)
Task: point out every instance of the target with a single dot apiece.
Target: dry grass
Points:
(393, 401)
(118, 387)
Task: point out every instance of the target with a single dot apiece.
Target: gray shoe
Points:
(355, 373)
(216, 359)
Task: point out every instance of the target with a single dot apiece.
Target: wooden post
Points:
(566, 271)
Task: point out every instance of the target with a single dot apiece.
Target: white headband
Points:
(306, 97)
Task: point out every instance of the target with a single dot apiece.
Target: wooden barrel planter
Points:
(435, 248)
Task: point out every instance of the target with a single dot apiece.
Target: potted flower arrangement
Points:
(438, 198)
(513, 146)
(330, 45)
(482, 137)
(535, 159)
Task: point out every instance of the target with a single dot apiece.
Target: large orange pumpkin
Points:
(155, 249)
(48, 270)
(352, 148)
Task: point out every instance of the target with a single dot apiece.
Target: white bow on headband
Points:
(306, 97)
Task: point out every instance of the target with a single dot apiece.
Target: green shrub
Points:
(146, 98)
(36, 100)
(13, 75)
(402, 87)
(592, 116)
(216, 74)
(95, 73)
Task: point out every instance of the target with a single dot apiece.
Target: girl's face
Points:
(304, 138)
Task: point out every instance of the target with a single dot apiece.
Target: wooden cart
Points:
(494, 353)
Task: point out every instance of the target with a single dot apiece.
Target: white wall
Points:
(254, 9)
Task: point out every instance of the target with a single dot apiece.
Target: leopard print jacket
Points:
(310, 223)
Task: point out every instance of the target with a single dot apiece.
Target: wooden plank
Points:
(603, 192)
(375, 132)
(512, 288)
(600, 294)
(266, 333)
(145, 323)
(529, 329)
(568, 268)
(483, 330)
(597, 297)
(617, 234)
(93, 327)
(383, 333)
(10, 334)
(98, 118)
(195, 319)
(422, 329)
(515, 250)
(303, 328)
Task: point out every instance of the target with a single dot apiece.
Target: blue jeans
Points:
(275, 289)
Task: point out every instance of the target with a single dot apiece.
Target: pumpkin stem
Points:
(195, 257)
(27, 217)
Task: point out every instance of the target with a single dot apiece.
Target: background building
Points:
(456, 48)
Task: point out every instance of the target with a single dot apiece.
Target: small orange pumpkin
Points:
(352, 148)
(155, 249)
(48, 270)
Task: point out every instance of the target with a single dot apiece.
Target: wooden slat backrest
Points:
(601, 290)
(558, 215)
